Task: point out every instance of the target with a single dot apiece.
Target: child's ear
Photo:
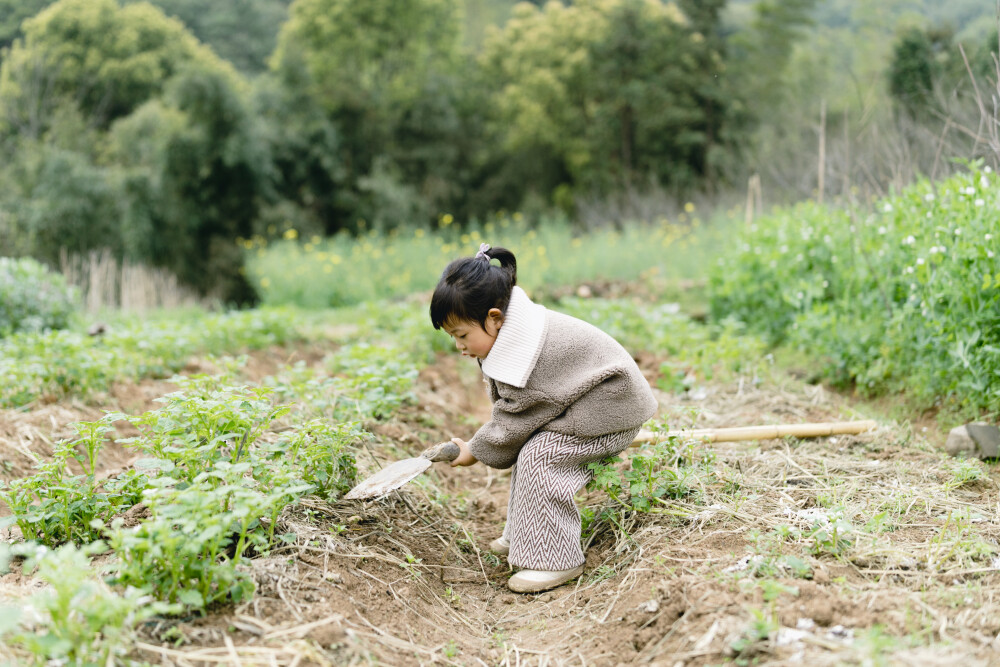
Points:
(496, 316)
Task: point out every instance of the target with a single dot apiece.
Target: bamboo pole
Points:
(771, 432)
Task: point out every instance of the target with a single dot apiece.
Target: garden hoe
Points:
(399, 473)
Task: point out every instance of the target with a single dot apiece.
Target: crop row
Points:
(220, 460)
(218, 463)
(54, 364)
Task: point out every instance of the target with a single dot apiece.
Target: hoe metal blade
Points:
(392, 477)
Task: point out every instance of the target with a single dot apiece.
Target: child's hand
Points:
(465, 458)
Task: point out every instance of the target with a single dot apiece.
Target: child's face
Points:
(473, 340)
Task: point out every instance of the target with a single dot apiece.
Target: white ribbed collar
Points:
(515, 351)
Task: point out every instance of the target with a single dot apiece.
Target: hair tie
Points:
(483, 247)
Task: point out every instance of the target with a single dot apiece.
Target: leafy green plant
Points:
(320, 454)
(754, 636)
(76, 619)
(656, 472)
(205, 422)
(191, 549)
(32, 298)
(834, 537)
(375, 378)
(904, 297)
(54, 506)
(965, 471)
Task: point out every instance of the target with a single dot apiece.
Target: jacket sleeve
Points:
(514, 420)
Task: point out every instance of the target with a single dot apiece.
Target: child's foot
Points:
(500, 546)
(533, 581)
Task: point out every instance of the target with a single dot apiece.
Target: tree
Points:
(386, 74)
(310, 183)
(602, 94)
(243, 32)
(13, 13)
(911, 72)
(196, 173)
(55, 199)
(761, 54)
(106, 59)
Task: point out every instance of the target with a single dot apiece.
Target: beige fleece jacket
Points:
(549, 371)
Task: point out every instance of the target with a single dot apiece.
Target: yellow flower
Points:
(518, 217)
(689, 207)
(418, 232)
(447, 219)
(541, 251)
(265, 282)
(335, 259)
(576, 243)
(315, 240)
(291, 234)
(308, 247)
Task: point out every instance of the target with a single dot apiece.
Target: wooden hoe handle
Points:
(760, 432)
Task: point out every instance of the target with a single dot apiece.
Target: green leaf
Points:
(150, 463)
(191, 599)
(10, 616)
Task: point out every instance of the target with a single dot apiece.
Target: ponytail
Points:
(469, 287)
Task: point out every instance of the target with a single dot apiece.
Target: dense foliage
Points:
(32, 298)
(166, 131)
(903, 299)
(122, 130)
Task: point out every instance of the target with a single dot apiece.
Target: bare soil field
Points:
(869, 549)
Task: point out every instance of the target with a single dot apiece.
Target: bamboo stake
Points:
(740, 433)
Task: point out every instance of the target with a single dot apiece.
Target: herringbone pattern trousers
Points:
(543, 521)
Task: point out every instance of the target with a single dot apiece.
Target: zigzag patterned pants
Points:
(543, 521)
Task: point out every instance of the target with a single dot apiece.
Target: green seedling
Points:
(84, 622)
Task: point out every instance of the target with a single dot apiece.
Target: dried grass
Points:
(106, 283)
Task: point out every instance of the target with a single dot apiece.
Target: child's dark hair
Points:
(471, 286)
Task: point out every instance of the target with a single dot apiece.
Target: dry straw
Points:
(106, 283)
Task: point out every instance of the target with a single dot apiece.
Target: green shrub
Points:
(32, 298)
(906, 298)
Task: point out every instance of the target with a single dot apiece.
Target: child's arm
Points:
(498, 441)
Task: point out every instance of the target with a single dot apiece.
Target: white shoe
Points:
(500, 546)
(533, 581)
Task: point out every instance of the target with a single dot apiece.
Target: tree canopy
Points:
(101, 57)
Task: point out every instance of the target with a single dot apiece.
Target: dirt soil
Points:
(408, 580)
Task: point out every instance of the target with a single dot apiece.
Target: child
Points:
(564, 394)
